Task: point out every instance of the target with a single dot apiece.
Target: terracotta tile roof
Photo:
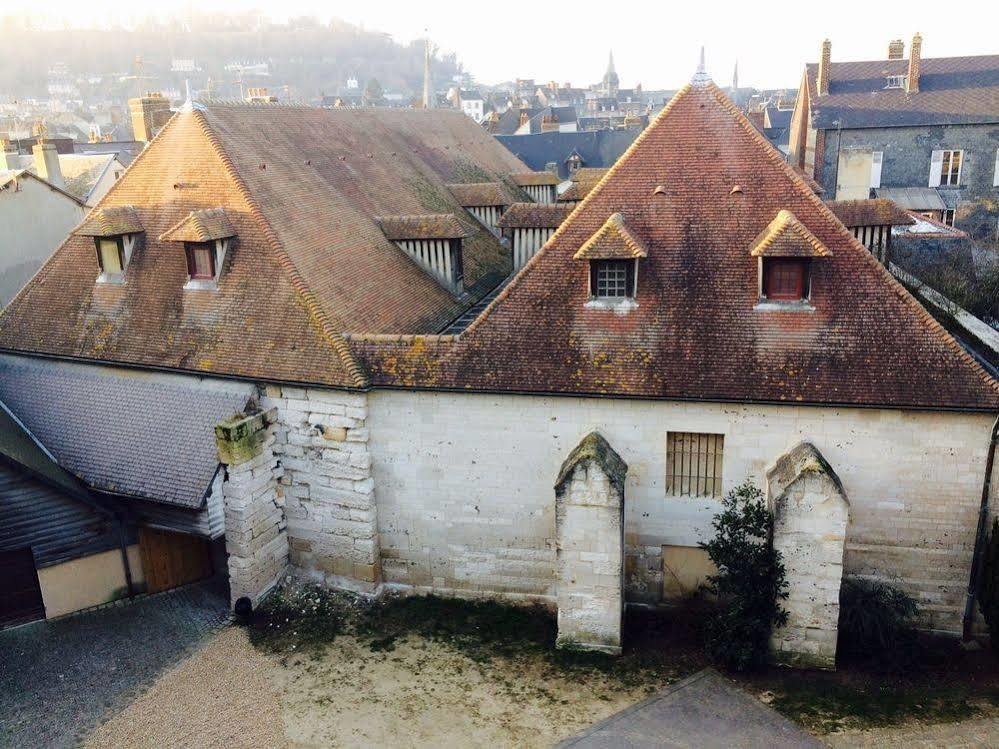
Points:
(200, 226)
(527, 179)
(480, 194)
(875, 212)
(109, 221)
(302, 188)
(697, 331)
(427, 226)
(952, 90)
(576, 192)
(590, 174)
(612, 241)
(785, 236)
(535, 215)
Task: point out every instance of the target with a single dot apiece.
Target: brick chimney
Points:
(149, 114)
(915, 53)
(822, 81)
(896, 49)
(47, 163)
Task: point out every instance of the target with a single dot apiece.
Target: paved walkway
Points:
(60, 679)
(703, 711)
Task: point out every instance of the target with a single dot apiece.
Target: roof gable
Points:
(785, 236)
(697, 330)
(203, 225)
(110, 221)
(613, 240)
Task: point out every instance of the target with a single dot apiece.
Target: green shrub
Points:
(875, 622)
(750, 582)
(988, 583)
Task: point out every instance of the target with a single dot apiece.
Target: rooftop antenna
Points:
(701, 77)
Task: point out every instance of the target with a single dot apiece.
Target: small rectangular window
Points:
(895, 81)
(200, 261)
(612, 279)
(109, 255)
(785, 278)
(948, 217)
(694, 464)
(950, 170)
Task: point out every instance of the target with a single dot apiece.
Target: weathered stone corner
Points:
(238, 437)
(589, 526)
(811, 512)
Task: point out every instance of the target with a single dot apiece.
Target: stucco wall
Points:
(34, 219)
(88, 581)
(463, 485)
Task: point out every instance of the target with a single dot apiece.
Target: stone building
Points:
(920, 131)
(571, 443)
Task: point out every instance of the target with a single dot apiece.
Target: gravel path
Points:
(60, 679)
(219, 697)
(968, 734)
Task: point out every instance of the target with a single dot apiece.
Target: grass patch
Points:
(299, 618)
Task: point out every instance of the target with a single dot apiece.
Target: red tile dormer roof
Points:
(200, 226)
(786, 236)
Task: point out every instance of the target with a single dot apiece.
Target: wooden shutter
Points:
(936, 168)
(877, 157)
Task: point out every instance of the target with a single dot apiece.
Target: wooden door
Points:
(20, 594)
(173, 559)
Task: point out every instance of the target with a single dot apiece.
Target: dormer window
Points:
(116, 231)
(612, 255)
(485, 200)
(206, 236)
(785, 251)
(434, 242)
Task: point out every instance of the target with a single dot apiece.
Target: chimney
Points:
(47, 163)
(822, 82)
(896, 49)
(524, 118)
(912, 82)
(149, 114)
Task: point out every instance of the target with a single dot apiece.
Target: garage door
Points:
(20, 596)
(173, 559)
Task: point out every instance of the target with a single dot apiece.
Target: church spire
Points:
(701, 77)
(735, 77)
(610, 64)
(428, 88)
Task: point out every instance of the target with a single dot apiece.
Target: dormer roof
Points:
(111, 221)
(786, 236)
(612, 241)
(532, 179)
(535, 215)
(426, 226)
(478, 194)
(205, 225)
(873, 212)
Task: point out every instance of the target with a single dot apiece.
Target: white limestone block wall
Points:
(322, 444)
(256, 536)
(589, 526)
(811, 513)
(463, 484)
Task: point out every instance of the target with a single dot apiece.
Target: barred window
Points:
(694, 464)
(613, 279)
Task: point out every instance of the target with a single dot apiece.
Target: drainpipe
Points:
(123, 547)
(983, 518)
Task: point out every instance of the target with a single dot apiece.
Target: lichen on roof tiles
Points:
(613, 240)
(425, 226)
(479, 194)
(110, 221)
(535, 215)
(203, 225)
(872, 212)
(528, 179)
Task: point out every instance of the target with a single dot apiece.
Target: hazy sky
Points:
(655, 43)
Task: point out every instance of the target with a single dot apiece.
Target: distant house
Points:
(928, 126)
(37, 210)
(566, 152)
(86, 176)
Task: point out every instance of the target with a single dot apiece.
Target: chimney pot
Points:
(47, 163)
(896, 49)
(822, 81)
(915, 56)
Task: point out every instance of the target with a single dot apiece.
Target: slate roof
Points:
(786, 236)
(21, 447)
(479, 194)
(110, 221)
(204, 225)
(913, 198)
(527, 179)
(535, 216)
(697, 331)
(302, 188)
(876, 212)
(597, 148)
(952, 90)
(428, 226)
(123, 432)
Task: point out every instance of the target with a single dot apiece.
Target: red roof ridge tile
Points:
(612, 240)
(323, 321)
(787, 223)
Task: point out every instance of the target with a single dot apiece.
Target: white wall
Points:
(34, 219)
(465, 499)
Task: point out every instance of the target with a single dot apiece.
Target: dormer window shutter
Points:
(936, 168)
(434, 242)
(995, 174)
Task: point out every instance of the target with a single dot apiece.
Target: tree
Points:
(373, 93)
(750, 582)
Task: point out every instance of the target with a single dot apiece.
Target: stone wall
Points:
(463, 483)
(589, 527)
(811, 513)
(321, 441)
(255, 539)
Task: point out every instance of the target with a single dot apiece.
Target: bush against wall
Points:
(988, 583)
(876, 622)
(750, 583)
